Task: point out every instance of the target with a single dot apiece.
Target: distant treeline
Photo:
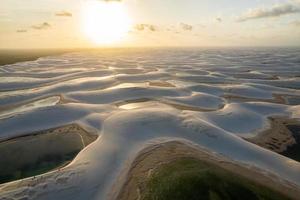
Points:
(10, 56)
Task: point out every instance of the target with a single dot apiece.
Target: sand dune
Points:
(134, 98)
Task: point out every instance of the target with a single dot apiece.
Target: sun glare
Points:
(105, 22)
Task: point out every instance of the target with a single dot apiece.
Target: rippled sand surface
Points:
(213, 98)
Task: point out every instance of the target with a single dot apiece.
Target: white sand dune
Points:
(94, 85)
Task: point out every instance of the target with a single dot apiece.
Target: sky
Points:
(60, 23)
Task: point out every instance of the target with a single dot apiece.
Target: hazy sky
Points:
(58, 23)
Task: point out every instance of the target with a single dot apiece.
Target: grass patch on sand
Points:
(44, 164)
(41, 152)
(192, 179)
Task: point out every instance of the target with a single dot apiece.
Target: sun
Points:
(105, 22)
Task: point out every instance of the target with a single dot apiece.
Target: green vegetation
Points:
(41, 152)
(191, 179)
(43, 165)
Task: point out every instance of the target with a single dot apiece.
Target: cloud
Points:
(42, 26)
(219, 19)
(186, 27)
(296, 23)
(275, 11)
(143, 27)
(21, 31)
(63, 14)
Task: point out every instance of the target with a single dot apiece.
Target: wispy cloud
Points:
(275, 11)
(143, 27)
(186, 27)
(219, 19)
(21, 31)
(63, 14)
(295, 23)
(42, 26)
